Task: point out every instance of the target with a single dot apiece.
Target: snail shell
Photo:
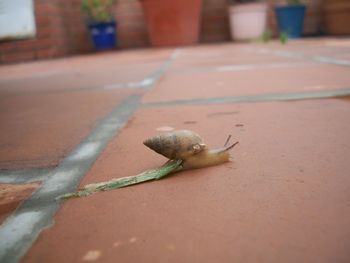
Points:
(175, 145)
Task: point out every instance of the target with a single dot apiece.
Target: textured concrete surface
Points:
(283, 198)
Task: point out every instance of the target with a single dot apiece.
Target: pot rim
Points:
(248, 7)
(284, 6)
(96, 23)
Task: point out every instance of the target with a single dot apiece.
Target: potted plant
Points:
(101, 24)
(290, 18)
(247, 18)
(172, 22)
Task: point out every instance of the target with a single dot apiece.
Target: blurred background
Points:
(41, 29)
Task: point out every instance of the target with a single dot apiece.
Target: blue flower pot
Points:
(103, 35)
(290, 19)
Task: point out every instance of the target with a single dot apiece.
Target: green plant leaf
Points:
(294, 2)
(96, 3)
(97, 10)
(283, 37)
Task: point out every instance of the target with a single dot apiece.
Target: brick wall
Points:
(60, 32)
(132, 31)
(61, 29)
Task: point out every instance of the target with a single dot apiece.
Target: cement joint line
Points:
(24, 175)
(151, 79)
(145, 83)
(292, 96)
(317, 58)
(21, 229)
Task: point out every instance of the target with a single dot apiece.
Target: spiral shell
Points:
(174, 145)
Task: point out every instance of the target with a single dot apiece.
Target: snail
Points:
(184, 149)
(188, 146)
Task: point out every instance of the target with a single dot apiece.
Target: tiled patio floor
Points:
(284, 197)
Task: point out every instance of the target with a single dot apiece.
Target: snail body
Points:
(188, 146)
(207, 158)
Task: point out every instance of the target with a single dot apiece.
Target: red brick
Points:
(44, 53)
(133, 43)
(132, 35)
(45, 42)
(18, 56)
(47, 8)
(27, 44)
(215, 10)
(131, 31)
(58, 32)
(132, 27)
(44, 31)
(58, 51)
(129, 18)
(222, 18)
(8, 46)
(42, 20)
(210, 38)
(57, 21)
(128, 5)
(218, 27)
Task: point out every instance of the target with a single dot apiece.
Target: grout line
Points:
(145, 83)
(253, 98)
(152, 78)
(23, 176)
(244, 67)
(299, 55)
(330, 60)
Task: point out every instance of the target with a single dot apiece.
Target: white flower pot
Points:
(247, 21)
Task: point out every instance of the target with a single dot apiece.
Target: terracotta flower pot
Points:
(172, 22)
(247, 21)
(337, 17)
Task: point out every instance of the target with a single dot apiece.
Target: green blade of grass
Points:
(154, 174)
